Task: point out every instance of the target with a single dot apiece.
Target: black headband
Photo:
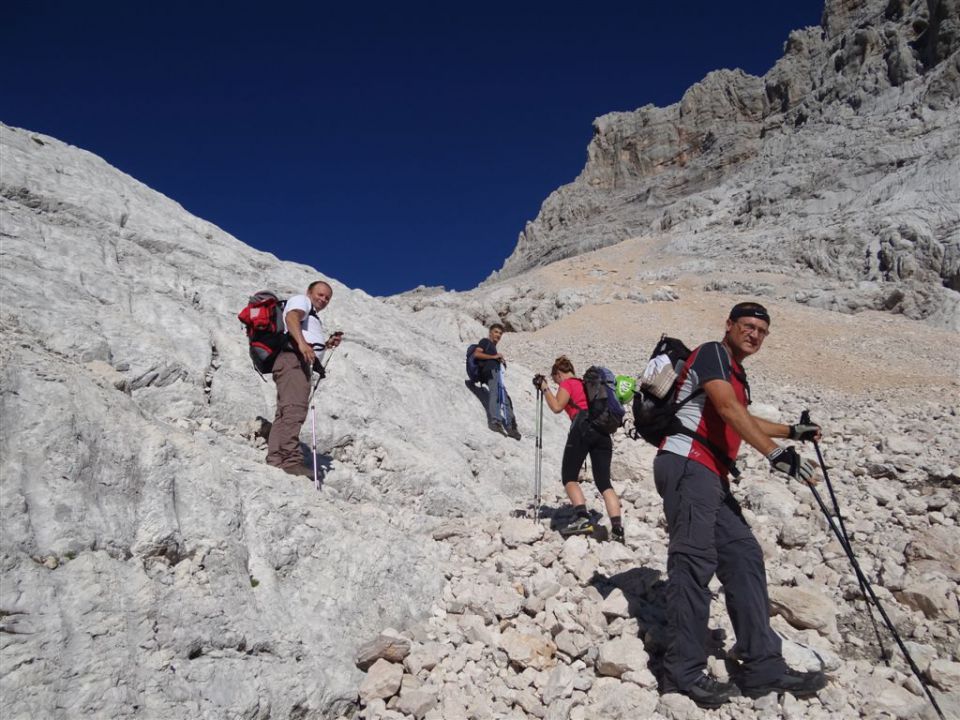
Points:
(756, 311)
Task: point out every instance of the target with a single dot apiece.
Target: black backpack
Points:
(262, 319)
(473, 366)
(604, 410)
(655, 409)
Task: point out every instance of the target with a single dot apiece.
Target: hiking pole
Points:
(330, 354)
(313, 424)
(538, 454)
(805, 420)
(538, 381)
(321, 370)
(501, 400)
(313, 415)
(864, 583)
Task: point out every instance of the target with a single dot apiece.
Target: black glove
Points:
(803, 431)
(788, 461)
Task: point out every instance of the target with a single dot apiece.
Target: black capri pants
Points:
(582, 440)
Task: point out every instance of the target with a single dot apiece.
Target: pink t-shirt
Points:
(578, 398)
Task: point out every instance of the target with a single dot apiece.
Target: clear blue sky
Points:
(387, 144)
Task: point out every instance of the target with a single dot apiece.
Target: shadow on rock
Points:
(324, 462)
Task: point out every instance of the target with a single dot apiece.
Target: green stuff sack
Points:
(625, 386)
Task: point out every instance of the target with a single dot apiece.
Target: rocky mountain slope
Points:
(589, 629)
(152, 565)
(841, 161)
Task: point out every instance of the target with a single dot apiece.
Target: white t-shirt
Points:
(310, 324)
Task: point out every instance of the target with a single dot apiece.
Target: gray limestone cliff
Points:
(152, 564)
(842, 160)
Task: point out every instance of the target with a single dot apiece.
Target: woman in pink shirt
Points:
(582, 440)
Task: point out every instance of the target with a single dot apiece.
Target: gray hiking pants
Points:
(708, 536)
(493, 402)
(293, 393)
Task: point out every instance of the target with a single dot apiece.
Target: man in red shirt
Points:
(708, 534)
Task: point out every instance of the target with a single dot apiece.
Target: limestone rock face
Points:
(840, 161)
(150, 558)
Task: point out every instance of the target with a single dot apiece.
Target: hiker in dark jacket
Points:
(708, 533)
(583, 439)
(292, 372)
(491, 360)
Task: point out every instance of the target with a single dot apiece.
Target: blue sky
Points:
(386, 144)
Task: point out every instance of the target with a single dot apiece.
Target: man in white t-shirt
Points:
(291, 374)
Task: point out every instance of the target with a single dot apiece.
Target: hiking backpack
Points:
(604, 410)
(262, 319)
(655, 406)
(473, 367)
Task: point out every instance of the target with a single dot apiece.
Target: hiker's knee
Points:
(294, 412)
(603, 483)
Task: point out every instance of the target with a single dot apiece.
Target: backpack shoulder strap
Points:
(571, 402)
(742, 377)
(711, 446)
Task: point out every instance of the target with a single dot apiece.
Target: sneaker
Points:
(497, 427)
(799, 684)
(616, 533)
(577, 526)
(707, 692)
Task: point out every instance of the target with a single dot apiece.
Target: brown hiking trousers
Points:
(292, 379)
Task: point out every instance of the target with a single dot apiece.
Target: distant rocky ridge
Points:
(842, 160)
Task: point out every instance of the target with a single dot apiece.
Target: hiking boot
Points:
(616, 533)
(577, 526)
(513, 432)
(497, 427)
(299, 470)
(707, 692)
(797, 683)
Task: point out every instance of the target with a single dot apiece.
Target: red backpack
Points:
(262, 319)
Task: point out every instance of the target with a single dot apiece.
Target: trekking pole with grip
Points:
(321, 370)
(865, 583)
(538, 500)
(501, 398)
(538, 450)
(805, 420)
(313, 424)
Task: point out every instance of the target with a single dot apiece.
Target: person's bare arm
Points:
(294, 319)
(724, 400)
(481, 355)
(772, 429)
(799, 431)
(555, 402)
(752, 430)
